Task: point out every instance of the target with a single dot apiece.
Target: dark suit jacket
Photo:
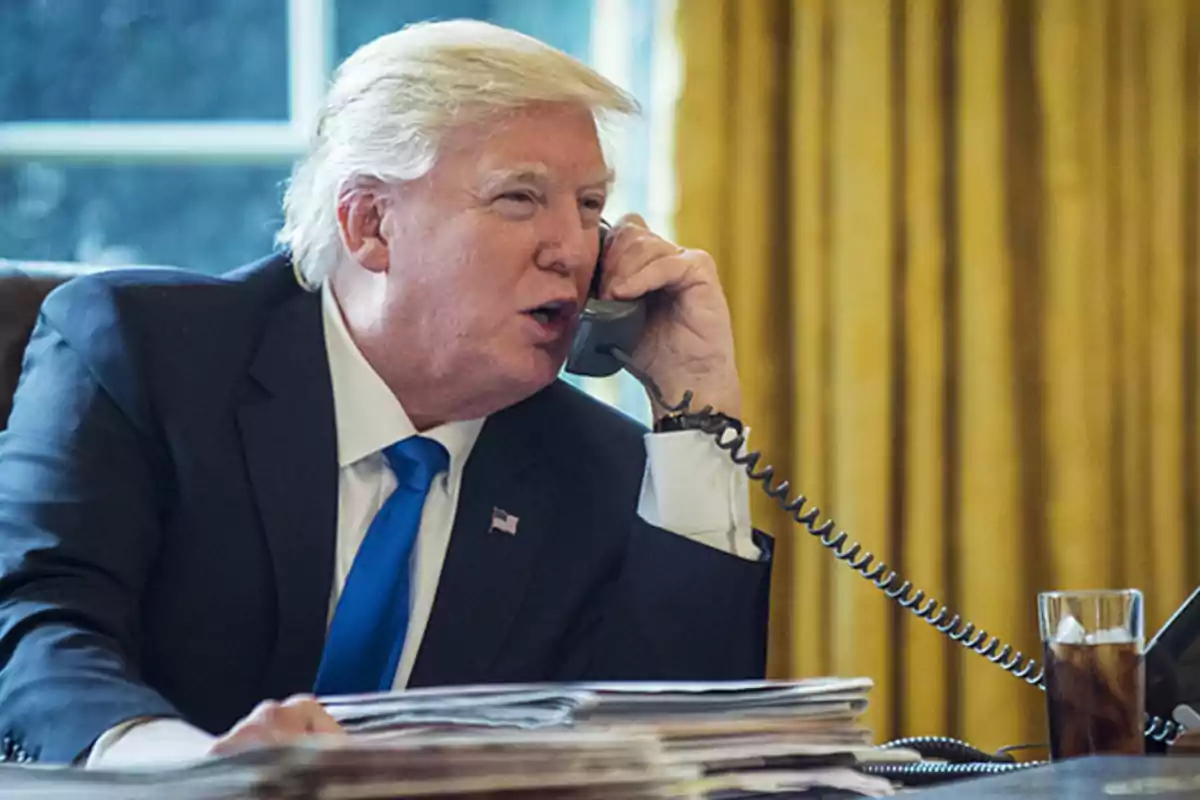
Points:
(168, 513)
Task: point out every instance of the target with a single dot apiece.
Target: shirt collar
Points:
(367, 414)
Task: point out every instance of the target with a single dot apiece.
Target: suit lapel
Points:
(289, 435)
(486, 570)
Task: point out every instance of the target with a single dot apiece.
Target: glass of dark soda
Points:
(1094, 671)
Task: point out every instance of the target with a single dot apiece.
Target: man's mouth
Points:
(556, 312)
(555, 317)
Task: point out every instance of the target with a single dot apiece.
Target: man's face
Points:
(490, 255)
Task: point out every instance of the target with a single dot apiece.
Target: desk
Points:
(1156, 777)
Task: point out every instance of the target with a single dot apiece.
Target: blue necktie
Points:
(367, 633)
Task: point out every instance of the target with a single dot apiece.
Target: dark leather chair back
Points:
(23, 287)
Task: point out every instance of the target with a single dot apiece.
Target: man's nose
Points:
(569, 247)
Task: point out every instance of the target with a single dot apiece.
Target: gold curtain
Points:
(961, 241)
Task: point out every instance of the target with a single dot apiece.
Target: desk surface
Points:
(1156, 777)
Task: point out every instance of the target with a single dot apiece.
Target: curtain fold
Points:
(961, 242)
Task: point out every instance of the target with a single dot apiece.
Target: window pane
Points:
(562, 23)
(143, 59)
(209, 218)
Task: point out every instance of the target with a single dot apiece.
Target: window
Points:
(162, 131)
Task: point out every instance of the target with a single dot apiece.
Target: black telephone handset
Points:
(605, 326)
(607, 333)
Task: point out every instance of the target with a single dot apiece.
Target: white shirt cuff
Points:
(692, 487)
(149, 742)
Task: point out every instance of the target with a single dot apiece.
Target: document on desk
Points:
(551, 705)
(225, 779)
(721, 730)
(523, 707)
(694, 741)
(496, 765)
(570, 765)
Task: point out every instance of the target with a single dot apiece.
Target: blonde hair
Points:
(394, 99)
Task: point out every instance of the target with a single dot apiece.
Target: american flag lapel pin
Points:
(504, 522)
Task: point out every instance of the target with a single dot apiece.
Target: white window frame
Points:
(310, 59)
(310, 62)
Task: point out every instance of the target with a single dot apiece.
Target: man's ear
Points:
(360, 210)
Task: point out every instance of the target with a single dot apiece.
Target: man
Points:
(351, 466)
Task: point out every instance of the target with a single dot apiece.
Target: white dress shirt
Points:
(689, 487)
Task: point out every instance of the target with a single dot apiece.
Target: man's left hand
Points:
(688, 340)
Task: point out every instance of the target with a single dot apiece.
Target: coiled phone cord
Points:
(929, 773)
(865, 563)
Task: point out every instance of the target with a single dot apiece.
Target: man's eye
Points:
(519, 197)
(593, 203)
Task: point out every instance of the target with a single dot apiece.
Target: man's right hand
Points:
(274, 723)
(149, 741)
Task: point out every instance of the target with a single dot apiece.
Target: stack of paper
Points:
(498, 765)
(758, 737)
(703, 741)
(520, 707)
(211, 781)
(827, 704)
